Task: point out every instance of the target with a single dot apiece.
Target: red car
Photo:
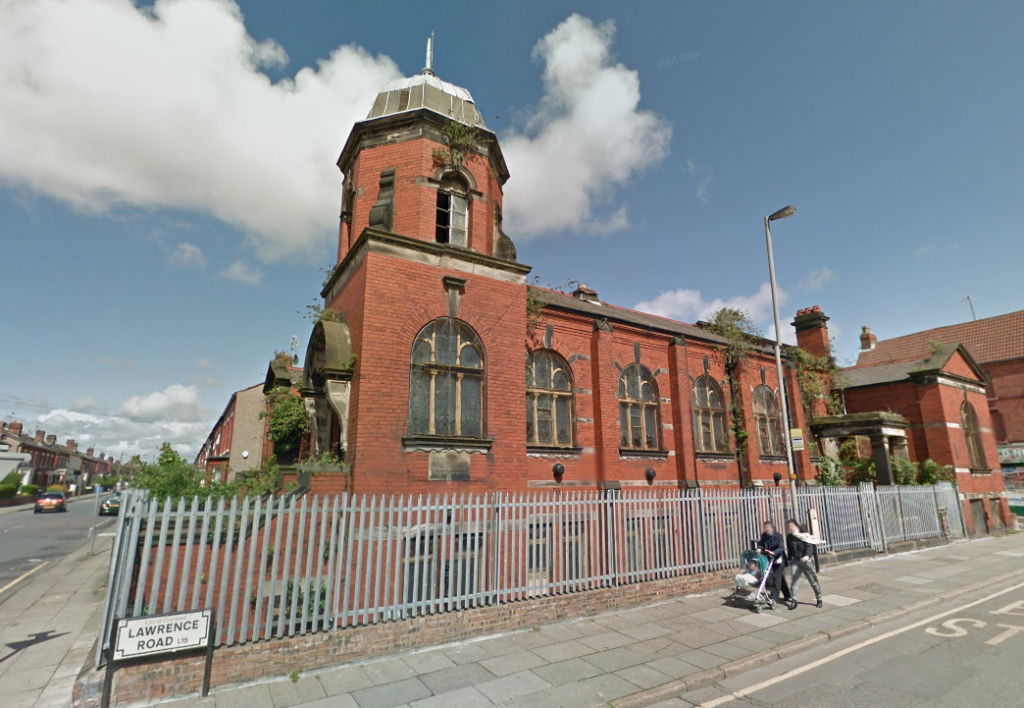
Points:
(51, 501)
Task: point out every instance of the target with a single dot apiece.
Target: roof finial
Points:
(429, 68)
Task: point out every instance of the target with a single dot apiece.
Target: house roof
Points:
(990, 339)
(900, 371)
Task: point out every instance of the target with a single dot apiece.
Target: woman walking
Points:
(772, 545)
(799, 549)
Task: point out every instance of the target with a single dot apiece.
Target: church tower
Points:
(415, 373)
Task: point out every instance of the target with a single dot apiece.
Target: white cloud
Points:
(690, 306)
(176, 402)
(205, 381)
(203, 363)
(242, 273)
(141, 425)
(927, 248)
(788, 333)
(103, 104)
(585, 138)
(816, 279)
(187, 255)
(702, 187)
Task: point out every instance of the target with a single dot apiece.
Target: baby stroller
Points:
(756, 594)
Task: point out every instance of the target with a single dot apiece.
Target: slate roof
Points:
(991, 339)
(900, 371)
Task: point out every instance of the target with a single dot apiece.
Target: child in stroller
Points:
(756, 568)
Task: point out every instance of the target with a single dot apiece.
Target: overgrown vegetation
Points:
(849, 468)
(315, 312)
(742, 337)
(818, 378)
(287, 423)
(460, 146)
(534, 306)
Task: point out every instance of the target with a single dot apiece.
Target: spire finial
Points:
(429, 68)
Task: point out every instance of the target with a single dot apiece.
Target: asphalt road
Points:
(966, 652)
(28, 540)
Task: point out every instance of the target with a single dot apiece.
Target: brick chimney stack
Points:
(40, 434)
(71, 445)
(867, 340)
(582, 292)
(812, 331)
(89, 451)
(16, 428)
(51, 439)
(3, 426)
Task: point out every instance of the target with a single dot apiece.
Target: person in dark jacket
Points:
(773, 546)
(799, 551)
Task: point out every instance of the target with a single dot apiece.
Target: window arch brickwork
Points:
(549, 400)
(709, 429)
(446, 390)
(768, 420)
(639, 417)
(972, 434)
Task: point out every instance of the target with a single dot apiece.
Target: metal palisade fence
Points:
(281, 566)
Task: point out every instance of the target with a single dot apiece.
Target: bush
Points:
(57, 488)
(7, 491)
(29, 490)
(932, 472)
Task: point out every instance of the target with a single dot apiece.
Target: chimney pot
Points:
(71, 445)
(89, 451)
(16, 428)
(40, 434)
(582, 292)
(867, 339)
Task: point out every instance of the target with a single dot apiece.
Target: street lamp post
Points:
(781, 214)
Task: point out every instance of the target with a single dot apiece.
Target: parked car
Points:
(51, 501)
(111, 505)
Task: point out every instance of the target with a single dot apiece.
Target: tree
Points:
(287, 423)
(172, 476)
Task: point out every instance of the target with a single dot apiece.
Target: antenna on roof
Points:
(971, 303)
(429, 68)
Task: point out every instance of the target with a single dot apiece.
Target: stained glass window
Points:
(638, 409)
(446, 391)
(549, 400)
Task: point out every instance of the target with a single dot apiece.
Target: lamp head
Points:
(777, 477)
(783, 213)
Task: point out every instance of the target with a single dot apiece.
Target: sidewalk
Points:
(48, 628)
(643, 656)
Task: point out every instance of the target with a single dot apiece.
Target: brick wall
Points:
(153, 681)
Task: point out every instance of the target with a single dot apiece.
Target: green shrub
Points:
(12, 478)
(57, 488)
(932, 472)
(7, 491)
(29, 490)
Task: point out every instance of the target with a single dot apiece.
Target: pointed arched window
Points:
(446, 390)
(709, 431)
(549, 400)
(969, 422)
(768, 419)
(638, 409)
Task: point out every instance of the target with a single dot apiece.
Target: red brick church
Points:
(445, 372)
(437, 369)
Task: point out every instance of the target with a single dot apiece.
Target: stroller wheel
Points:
(758, 610)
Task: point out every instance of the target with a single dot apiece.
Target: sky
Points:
(168, 188)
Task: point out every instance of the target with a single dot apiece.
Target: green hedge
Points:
(29, 490)
(8, 491)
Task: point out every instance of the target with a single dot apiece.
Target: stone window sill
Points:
(716, 456)
(643, 454)
(445, 443)
(553, 451)
(772, 459)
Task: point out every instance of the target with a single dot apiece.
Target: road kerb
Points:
(730, 669)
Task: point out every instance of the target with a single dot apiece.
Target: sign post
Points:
(138, 637)
(96, 489)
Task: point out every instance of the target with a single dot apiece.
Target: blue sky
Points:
(155, 254)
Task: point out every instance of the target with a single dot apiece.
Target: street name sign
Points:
(142, 636)
(139, 637)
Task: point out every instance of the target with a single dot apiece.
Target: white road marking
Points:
(19, 579)
(744, 692)
(14, 528)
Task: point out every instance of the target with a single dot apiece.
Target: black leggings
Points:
(777, 582)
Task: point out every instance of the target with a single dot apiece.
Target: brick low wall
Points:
(151, 681)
